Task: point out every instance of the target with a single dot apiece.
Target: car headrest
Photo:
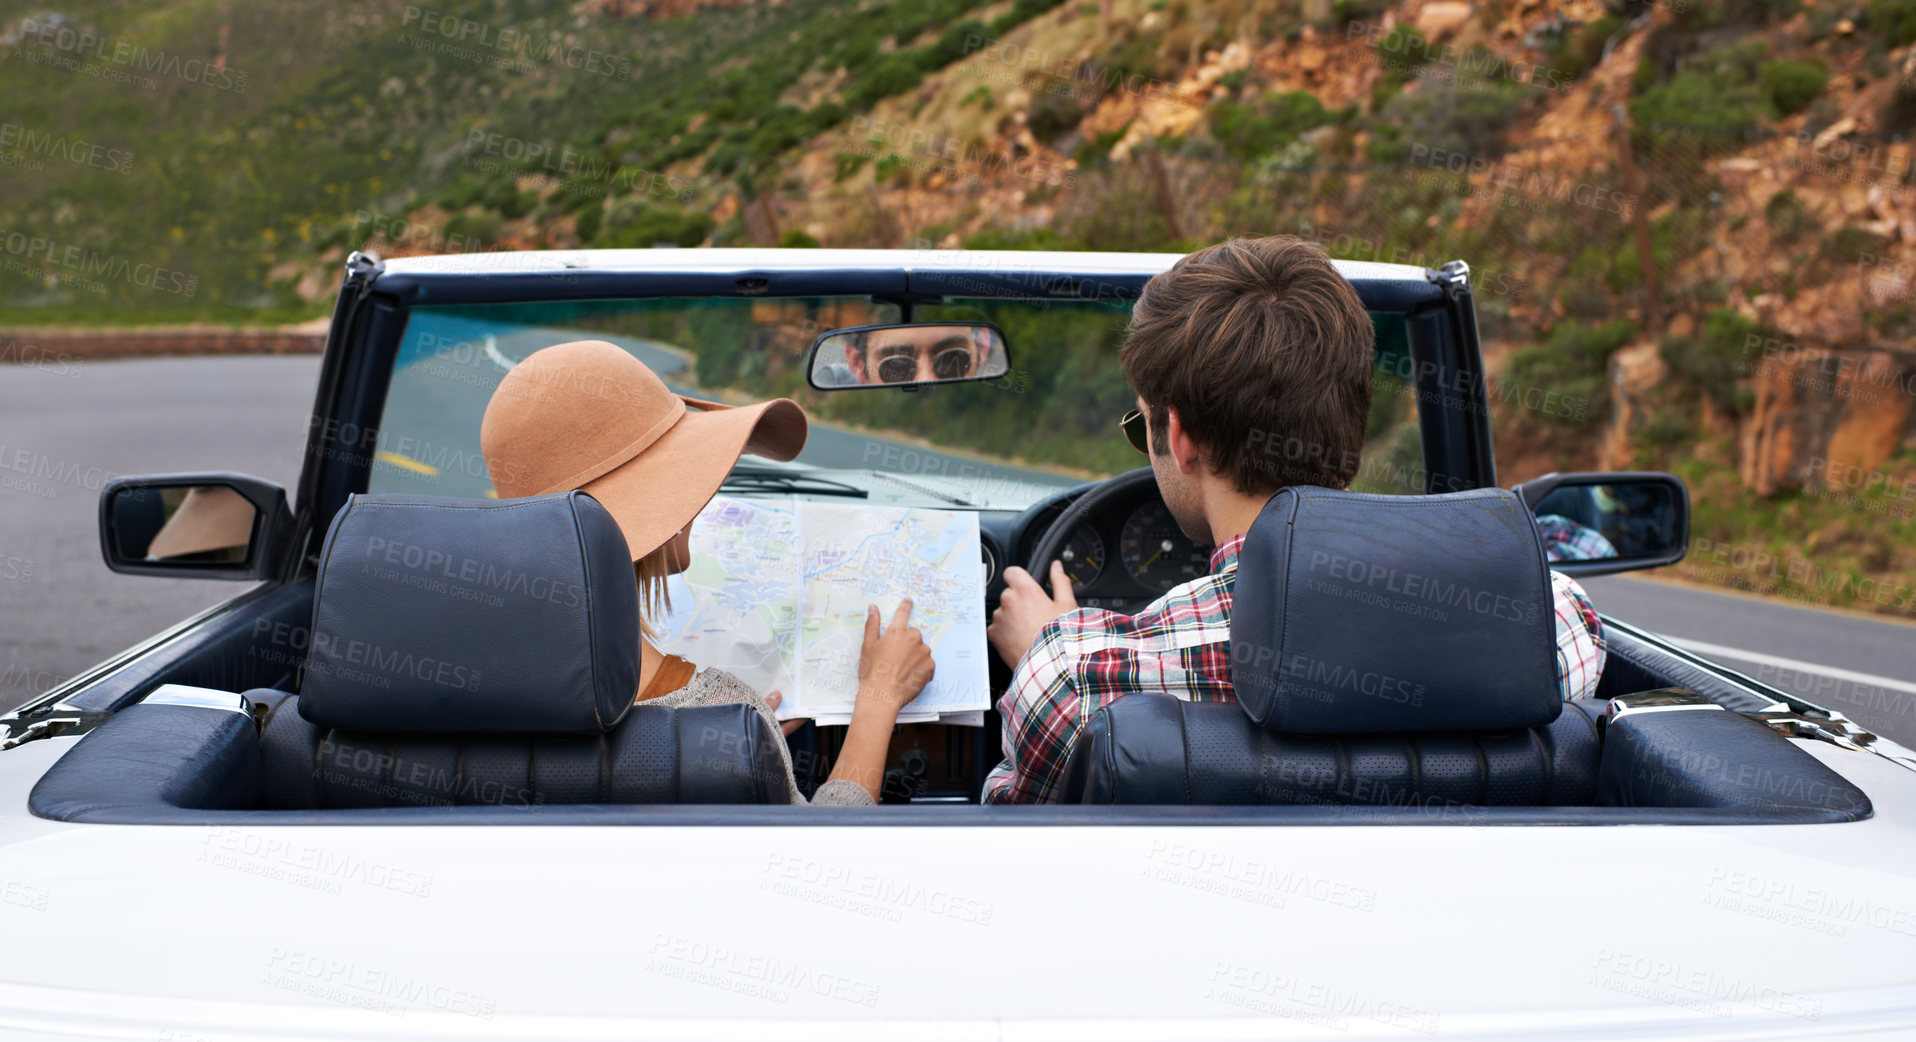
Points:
(1357, 613)
(473, 616)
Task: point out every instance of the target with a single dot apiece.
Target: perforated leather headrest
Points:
(472, 616)
(1357, 613)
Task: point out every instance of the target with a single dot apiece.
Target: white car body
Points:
(898, 927)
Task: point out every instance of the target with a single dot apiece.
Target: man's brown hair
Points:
(1265, 352)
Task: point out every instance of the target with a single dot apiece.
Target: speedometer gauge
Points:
(1155, 551)
(1083, 557)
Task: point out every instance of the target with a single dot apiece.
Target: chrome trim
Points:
(199, 698)
(1667, 700)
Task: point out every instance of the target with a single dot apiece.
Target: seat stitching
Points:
(1184, 742)
(1539, 740)
(386, 790)
(1416, 768)
(1343, 766)
(458, 770)
(603, 793)
(1483, 772)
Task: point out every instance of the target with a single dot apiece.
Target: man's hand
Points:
(1024, 609)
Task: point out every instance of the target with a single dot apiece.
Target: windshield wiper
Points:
(767, 480)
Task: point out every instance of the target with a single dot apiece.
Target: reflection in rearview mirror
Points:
(1606, 522)
(200, 524)
(908, 355)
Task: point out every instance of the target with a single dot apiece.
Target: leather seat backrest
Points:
(1384, 650)
(1155, 749)
(657, 754)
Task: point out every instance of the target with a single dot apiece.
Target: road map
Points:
(778, 589)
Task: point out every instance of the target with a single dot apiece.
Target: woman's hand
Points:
(895, 663)
(788, 726)
(893, 667)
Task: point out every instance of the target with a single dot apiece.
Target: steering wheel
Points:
(1117, 487)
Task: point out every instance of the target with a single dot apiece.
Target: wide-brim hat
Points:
(210, 517)
(587, 415)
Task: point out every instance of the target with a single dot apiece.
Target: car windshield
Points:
(1050, 423)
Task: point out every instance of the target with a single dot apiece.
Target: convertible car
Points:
(387, 794)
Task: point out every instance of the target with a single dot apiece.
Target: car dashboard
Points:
(1120, 559)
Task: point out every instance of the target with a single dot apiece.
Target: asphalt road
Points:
(64, 433)
(1863, 665)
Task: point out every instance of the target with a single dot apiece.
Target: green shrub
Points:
(1788, 219)
(797, 238)
(1794, 84)
(1574, 363)
(1052, 115)
(481, 228)
(1893, 20)
(1580, 50)
(1710, 108)
(642, 226)
(845, 164)
(1457, 118)
(1008, 239)
(1276, 120)
(1711, 361)
(590, 218)
(1097, 150)
(1851, 245)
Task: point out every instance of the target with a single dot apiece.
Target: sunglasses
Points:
(1133, 427)
(953, 363)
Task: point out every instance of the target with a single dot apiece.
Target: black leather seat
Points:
(1386, 650)
(469, 653)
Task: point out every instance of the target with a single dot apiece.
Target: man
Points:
(1239, 354)
(906, 355)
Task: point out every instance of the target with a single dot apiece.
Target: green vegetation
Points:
(1267, 125)
(1575, 363)
(1794, 84)
(1894, 21)
(304, 152)
(1788, 220)
(1452, 117)
(1711, 106)
(1711, 362)
(1579, 50)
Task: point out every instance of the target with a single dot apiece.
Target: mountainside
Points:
(1755, 152)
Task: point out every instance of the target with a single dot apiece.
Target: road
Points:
(1864, 666)
(62, 434)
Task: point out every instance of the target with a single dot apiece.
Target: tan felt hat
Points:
(588, 415)
(211, 517)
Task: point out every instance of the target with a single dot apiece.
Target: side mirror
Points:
(908, 355)
(208, 526)
(1598, 523)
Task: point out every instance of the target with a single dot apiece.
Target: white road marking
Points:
(1761, 659)
(492, 352)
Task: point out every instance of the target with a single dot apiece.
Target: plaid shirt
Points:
(1180, 645)
(1566, 540)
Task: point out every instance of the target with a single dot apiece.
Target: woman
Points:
(587, 415)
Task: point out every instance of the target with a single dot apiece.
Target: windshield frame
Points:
(372, 317)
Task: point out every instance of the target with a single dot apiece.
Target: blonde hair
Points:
(651, 571)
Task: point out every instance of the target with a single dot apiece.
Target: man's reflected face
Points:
(899, 356)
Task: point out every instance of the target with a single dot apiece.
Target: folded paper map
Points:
(778, 590)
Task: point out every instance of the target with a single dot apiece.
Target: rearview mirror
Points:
(908, 355)
(210, 526)
(1598, 523)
